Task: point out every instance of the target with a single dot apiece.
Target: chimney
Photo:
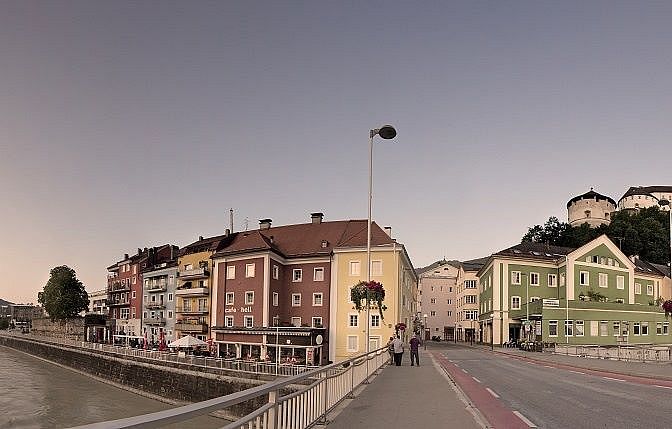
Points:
(140, 250)
(324, 244)
(227, 232)
(271, 239)
(125, 255)
(316, 217)
(265, 223)
(388, 231)
(200, 238)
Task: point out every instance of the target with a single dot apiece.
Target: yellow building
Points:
(391, 266)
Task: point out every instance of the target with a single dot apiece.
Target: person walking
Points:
(390, 349)
(415, 344)
(398, 350)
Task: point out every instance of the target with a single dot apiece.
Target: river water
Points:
(37, 394)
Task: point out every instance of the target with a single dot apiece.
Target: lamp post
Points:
(425, 331)
(669, 207)
(385, 132)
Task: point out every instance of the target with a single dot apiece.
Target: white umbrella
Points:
(187, 341)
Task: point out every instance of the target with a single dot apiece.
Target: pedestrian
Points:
(398, 350)
(415, 343)
(390, 349)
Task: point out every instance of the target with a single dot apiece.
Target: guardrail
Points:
(632, 353)
(324, 388)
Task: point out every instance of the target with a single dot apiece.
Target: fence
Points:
(188, 362)
(323, 389)
(633, 353)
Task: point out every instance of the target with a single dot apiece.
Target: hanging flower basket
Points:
(368, 292)
(667, 306)
(401, 326)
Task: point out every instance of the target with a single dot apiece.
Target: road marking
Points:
(478, 381)
(664, 387)
(491, 392)
(577, 372)
(548, 366)
(614, 379)
(465, 371)
(524, 419)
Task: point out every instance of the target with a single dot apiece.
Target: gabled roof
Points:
(453, 263)
(536, 251)
(474, 264)
(209, 244)
(646, 190)
(590, 195)
(664, 269)
(308, 239)
(644, 267)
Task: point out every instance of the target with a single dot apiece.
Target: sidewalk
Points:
(406, 396)
(654, 370)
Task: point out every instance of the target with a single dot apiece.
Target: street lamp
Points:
(669, 206)
(425, 331)
(385, 132)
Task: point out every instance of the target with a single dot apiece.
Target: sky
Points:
(131, 124)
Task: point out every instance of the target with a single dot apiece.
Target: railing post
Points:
(351, 394)
(325, 402)
(273, 412)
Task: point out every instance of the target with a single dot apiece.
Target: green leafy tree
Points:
(63, 295)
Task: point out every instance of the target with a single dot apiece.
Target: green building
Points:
(591, 295)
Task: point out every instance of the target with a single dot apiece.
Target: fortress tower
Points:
(592, 208)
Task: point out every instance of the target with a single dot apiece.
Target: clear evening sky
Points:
(132, 124)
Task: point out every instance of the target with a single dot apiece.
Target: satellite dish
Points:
(318, 340)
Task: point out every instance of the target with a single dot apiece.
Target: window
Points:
(645, 328)
(587, 258)
(135, 279)
(296, 300)
(317, 322)
(562, 279)
(604, 328)
(318, 274)
(354, 320)
(317, 299)
(552, 328)
(449, 301)
(231, 272)
(470, 299)
(603, 280)
(666, 328)
(432, 301)
(450, 313)
(584, 278)
(534, 279)
(569, 328)
(249, 270)
(249, 321)
(649, 289)
(249, 297)
(659, 328)
(515, 303)
(534, 298)
(471, 315)
(635, 328)
(376, 268)
(468, 284)
(578, 325)
(515, 277)
(375, 320)
(276, 320)
(228, 321)
(276, 298)
(133, 295)
(450, 289)
(596, 259)
(638, 288)
(353, 343)
(297, 275)
(276, 272)
(354, 268)
(135, 270)
(616, 264)
(552, 280)
(170, 297)
(296, 321)
(617, 329)
(229, 298)
(432, 313)
(620, 282)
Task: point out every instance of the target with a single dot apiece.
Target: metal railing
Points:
(321, 390)
(630, 353)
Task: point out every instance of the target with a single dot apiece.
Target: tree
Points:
(63, 295)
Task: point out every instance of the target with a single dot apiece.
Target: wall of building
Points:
(593, 212)
(438, 296)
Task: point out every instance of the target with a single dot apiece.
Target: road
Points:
(547, 396)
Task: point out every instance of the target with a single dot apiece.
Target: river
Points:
(38, 394)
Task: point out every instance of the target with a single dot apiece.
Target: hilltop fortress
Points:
(596, 209)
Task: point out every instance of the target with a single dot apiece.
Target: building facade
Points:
(639, 197)
(437, 299)
(591, 208)
(98, 302)
(467, 299)
(590, 295)
(158, 301)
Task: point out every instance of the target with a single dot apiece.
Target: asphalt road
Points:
(550, 397)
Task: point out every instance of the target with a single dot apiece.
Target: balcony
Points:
(199, 328)
(192, 310)
(118, 287)
(194, 273)
(155, 305)
(192, 291)
(155, 321)
(162, 287)
(118, 303)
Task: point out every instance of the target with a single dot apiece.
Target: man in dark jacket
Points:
(415, 344)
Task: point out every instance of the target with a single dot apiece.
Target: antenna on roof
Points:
(246, 223)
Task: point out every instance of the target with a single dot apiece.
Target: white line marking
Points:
(491, 392)
(577, 372)
(524, 419)
(465, 371)
(664, 387)
(450, 360)
(478, 381)
(548, 366)
(614, 379)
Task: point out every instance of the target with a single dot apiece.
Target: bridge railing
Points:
(629, 353)
(320, 390)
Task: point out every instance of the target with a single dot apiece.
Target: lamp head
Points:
(386, 132)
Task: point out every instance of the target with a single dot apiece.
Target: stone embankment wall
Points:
(70, 329)
(164, 381)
